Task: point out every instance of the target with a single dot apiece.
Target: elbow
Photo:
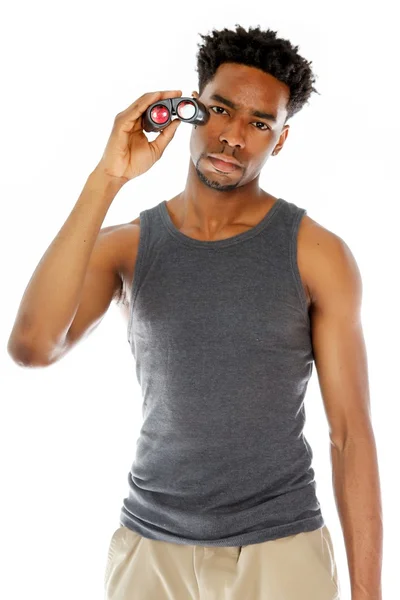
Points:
(354, 436)
(26, 356)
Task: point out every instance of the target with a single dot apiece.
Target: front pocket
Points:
(111, 553)
(330, 556)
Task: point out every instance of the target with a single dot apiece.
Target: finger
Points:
(164, 138)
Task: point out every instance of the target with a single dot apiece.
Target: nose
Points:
(232, 135)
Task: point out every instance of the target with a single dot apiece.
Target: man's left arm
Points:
(341, 362)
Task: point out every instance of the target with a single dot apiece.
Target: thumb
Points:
(166, 135)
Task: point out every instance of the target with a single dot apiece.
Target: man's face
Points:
(235, 132)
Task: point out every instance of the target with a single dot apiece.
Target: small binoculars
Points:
(189, 110)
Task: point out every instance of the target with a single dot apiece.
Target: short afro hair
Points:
(260, 49)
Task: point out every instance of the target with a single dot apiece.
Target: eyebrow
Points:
(255, 113)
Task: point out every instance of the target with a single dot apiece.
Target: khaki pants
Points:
(296, 567)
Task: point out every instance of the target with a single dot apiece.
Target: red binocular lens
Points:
(159, 114)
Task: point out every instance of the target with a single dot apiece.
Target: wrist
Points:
(357, 595)
(100, 177)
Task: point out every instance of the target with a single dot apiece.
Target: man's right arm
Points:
(80, 257)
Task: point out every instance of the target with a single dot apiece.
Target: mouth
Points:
(223, 166)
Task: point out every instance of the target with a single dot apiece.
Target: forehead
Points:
(248, 86)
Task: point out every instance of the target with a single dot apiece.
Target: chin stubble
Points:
(215, 185)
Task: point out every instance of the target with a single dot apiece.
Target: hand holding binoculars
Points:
(189, 110)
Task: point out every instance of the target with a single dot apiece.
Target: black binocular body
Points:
(189, 110)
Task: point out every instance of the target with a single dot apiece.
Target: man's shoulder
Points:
(320, 253)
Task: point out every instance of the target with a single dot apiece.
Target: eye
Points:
(220, 107)
(265, 126)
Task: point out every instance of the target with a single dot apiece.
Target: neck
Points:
(207, 210)
(219, 205)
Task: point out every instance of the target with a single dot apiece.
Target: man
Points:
(230, 296)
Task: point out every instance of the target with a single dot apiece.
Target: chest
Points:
(127, 270)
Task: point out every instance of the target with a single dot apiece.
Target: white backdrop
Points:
(68, 432)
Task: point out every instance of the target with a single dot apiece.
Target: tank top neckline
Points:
(239, 237)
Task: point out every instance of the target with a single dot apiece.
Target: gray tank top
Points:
(220, 334)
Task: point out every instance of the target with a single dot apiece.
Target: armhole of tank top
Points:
(295, 268)
(137, 275)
